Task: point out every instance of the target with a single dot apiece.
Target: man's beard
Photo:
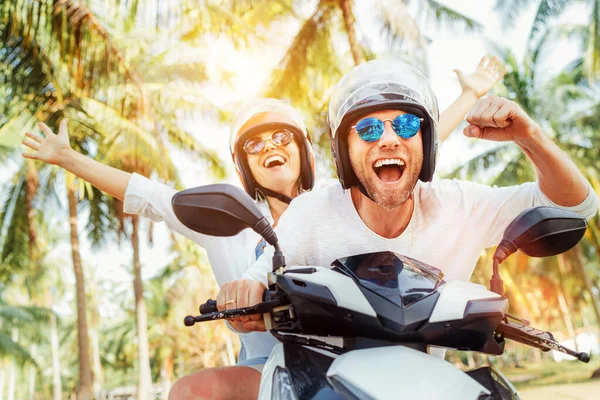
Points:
(388, 198)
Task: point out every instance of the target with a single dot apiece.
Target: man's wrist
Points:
(533, 137)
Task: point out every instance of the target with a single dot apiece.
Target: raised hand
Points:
(499, 119)
(49, 148)
(488, 73)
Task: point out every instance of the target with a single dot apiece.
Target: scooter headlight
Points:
(282, 385)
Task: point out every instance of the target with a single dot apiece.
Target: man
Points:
(383, 125)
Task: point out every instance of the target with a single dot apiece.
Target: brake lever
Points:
(533, 337)
(260, 308)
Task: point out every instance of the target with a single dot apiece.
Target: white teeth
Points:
(274, 158)
(388, 161)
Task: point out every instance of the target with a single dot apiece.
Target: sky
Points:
(250, 72)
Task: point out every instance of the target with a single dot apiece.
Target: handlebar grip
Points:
(208, 307)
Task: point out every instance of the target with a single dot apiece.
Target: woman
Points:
(271, 149)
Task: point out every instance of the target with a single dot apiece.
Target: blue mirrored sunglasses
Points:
(405, 125)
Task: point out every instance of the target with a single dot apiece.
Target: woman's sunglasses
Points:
(256, 144)
(405, 125)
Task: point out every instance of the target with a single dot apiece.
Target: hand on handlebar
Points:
(238, 294)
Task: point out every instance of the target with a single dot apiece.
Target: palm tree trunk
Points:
(56, 383)
(2, 382)
(32, 376)
(357, 53)
(166, 373)
(12, 379)
(522, 300)
(31, 185)
(84, 389)
(565, 313)
(180, 364)
(562, 299)
(230, 351)
(532, 311)
(97, 365)
(144, 386)
(12, 370)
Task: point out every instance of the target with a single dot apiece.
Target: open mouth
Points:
(274, 161)
(389, 170)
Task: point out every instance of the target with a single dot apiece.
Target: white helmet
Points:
(380, 85)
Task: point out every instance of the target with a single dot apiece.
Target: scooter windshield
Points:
(400, 279)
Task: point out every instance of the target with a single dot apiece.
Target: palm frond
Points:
(15, 315)
(14, 232)
(511, 10)
(450, 19)
(102, 225)
(243, 22)
(398, 24)
(11, 131)
(485, 166)
(310, 64)
(184, 72)
(547, 10)
(10, 348)
(592, 51)
(184, 140)
(518, 169)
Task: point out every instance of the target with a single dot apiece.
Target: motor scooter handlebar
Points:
(207, 313)
(536, 338)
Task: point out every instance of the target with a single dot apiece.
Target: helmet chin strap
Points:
(363, 190)
(279, 196)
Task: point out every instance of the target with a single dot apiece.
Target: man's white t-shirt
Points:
(452, 223)
(229, 257)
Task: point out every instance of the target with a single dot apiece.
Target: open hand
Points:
(50, 148)
(499, 119)
(488, 73)
(242, 293)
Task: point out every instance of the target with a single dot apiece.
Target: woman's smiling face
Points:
(275, 167)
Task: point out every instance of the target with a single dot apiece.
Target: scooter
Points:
(387, 311)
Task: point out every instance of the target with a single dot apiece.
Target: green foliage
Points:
(19, 322)
(450, 18)
(310, 64)
(547, 13)
(245, 23)
(14, 236)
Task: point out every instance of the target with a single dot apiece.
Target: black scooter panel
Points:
(308, 372)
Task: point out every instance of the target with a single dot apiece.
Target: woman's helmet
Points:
(277, 115)
(381, 85)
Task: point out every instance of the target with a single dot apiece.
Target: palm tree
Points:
(49, 78)
(549, 10)
(99, 81)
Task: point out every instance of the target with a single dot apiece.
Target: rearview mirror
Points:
(544, 231)
(538, 232)
(216, 210)
(224, 210)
